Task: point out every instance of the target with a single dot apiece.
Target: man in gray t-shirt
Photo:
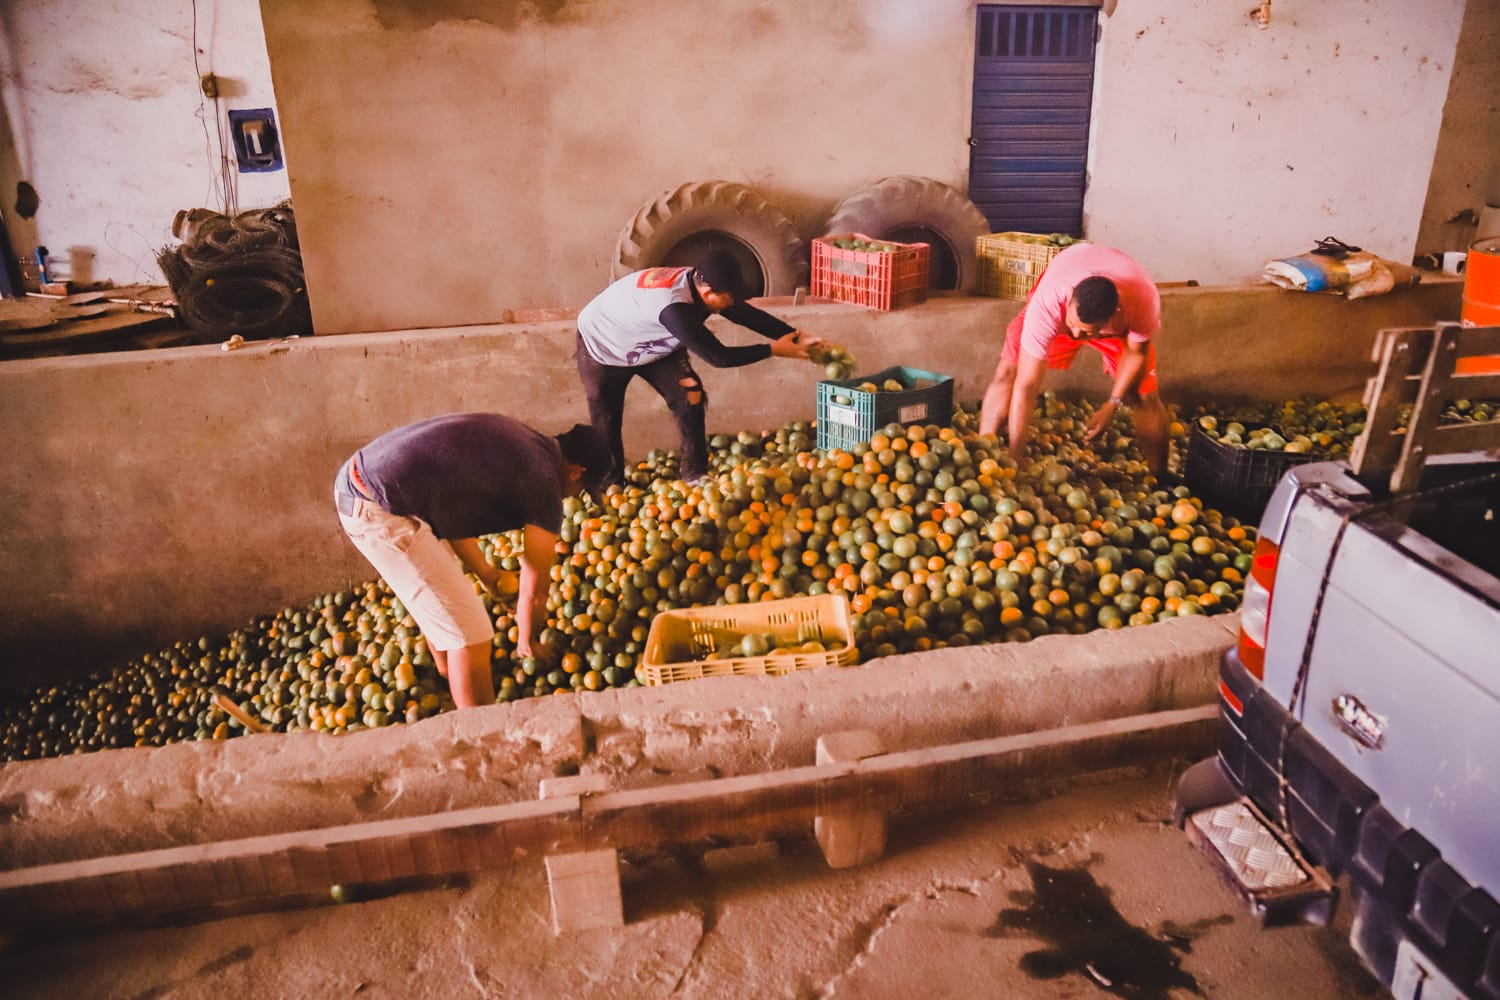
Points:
(418, 496)
(646, 324)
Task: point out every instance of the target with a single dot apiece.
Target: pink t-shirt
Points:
(1047, 310)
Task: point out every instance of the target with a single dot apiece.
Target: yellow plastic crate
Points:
(678, 639)
(1011, 263)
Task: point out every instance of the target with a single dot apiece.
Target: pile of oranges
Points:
(936, 537)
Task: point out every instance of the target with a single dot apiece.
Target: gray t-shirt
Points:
(466, 474)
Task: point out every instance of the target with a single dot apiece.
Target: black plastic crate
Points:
(1238, 481)
(848, 415)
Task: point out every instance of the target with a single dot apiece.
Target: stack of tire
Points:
(679, 224)
(239, 274)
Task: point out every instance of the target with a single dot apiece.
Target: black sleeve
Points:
(762, 322)
(685, 322)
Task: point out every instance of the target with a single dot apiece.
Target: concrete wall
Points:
(108, 123)
(453, 160)
(1466, 172)
(1218, 145)
(150, 497)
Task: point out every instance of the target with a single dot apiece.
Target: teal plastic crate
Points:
(848, 416)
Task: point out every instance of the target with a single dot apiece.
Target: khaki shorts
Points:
(425, 573)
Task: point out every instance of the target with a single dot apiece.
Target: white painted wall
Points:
(1218, 145)
(108, 123)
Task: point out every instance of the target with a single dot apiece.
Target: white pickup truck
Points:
(1360, 710)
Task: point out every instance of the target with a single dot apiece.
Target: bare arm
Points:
(1128, 375)
(539, 551)
(473, 559)
(1029, 374)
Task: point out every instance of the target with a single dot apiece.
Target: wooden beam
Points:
(1427, 412)
(786, 801)
(298, 868)
(852, 835)
(256, 872)
(1399, 356)
(584, 886)
(585, 890)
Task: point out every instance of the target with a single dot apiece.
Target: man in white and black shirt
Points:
(646, 323)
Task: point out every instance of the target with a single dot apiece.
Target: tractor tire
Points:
(918, 209)
(680, 224)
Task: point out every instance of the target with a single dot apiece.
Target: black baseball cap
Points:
(586, 447)
(721, 273)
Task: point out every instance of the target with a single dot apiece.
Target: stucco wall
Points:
(149, 497)
(1466, 170)
(1219, 145)
(489, 155)
(109, 124)
(452, 160)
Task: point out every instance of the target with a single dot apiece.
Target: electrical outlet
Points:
(210, 85)
(257, 145)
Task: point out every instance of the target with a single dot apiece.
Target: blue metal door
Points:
(1033, 80)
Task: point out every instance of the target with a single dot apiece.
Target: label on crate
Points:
(1018, 266)
(907, 414)
(842, 415)
(858, 268)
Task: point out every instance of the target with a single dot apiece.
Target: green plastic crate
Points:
(848, 415)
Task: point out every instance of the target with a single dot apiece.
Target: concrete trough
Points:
(123, 801)
(156, 496)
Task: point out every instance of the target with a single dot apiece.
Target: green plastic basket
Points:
(848, 415)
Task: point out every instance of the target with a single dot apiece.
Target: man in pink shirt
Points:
(1092, 295)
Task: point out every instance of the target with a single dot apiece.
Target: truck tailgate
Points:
(1411, 650)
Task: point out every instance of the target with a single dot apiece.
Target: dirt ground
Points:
(1090, 892)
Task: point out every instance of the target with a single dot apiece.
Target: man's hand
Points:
(791, 345)
(501, 584)
(807, 339)
(544, 652)
(1098, 422)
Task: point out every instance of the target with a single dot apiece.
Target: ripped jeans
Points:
(674, 380)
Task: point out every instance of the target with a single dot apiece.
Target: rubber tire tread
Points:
(723, 206)
(901, 202)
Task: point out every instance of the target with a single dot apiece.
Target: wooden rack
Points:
(1421, 367)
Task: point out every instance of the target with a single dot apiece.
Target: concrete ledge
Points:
(119, 801)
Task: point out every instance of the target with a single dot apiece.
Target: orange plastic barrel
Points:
(1481, 305)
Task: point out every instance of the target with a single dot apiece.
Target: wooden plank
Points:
(585, 891)
(853, 835)
(757, 806)
(1427, 412)
(304, 863)
(575, 785)
(1475, 386)
(1479, 340)
(1448, 439)
(298, 867)
(1402, 352)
